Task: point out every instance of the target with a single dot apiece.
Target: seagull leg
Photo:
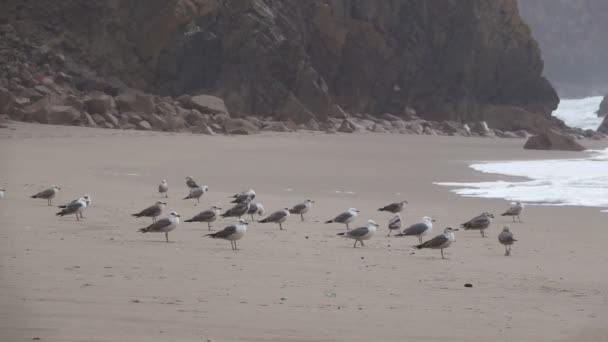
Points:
(153, 219)
(280, 226)
(513, 218)
(355, 245)
(506, 250)
(167, 236)
(235, 247)
(48, 202)
(302, 216)
(77, 218)
(361, 242)
(347, 227)
(209, 226)
(420, 239)
(442, 257)
(482, 233)
(518, 219)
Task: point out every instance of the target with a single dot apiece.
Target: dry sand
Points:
(100, 280)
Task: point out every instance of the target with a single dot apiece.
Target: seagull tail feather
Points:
(341, 234)
(330, 221)
(419, 246)
(190, 220)
(143, 230)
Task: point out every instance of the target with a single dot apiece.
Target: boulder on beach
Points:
(603, 110)
(553, 140)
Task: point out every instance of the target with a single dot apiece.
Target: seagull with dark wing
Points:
(191, 183)
(243, 196)
(152, 211)
(361, 233)
(48, 194)
(87, 200)
(302, 208)
(238, 210)
(164, 225)
(163, 189)
(345, 218)
(75, 207)
(506, 238)
(514, 211)
(441, 242)
(481, 223)
(278, 216)
(197, 193)
(232, 233)
(394, 207)
(394, 224)
(207, 216)
(419, 229)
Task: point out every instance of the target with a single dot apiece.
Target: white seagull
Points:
(87, 200)
(346, 217)
(302, 208)
(232, 233)
(481, 223)
(163, 189)
(361, 233)
(75, 207)
(152, 211)
(191, 183)
(197, 193)
(277, 217)
(163, 225)
(255, 208)
(516, 209)
(207, 216)
(506, 238)
(394, 224)
(419, 229)
(243, 196)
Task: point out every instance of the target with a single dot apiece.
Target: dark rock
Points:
(390, 117)
(553, 140)
(312, 125)
(133, 101)
(98, 119)
(62, 115)
(194, 118)
(295, 110)
(220, 118)
(158, 122)
(415, 127)
(88, 120)
(603, 126)
(99, 104)
(276, 127)
(207, 104)
(111, 119)
(336, 111)
(522, 133)
(240, 127)
(603, 110)
(347, 126)
(377, 128)
(6, 99)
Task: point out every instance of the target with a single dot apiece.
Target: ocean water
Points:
(580, 112)
(578, 182)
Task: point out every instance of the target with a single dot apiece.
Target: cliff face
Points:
(572, 35)
(461, 60)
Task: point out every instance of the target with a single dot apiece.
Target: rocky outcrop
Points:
(572, 36)
(553, 140)
(296, 59)
(603, 126)
(603, 110)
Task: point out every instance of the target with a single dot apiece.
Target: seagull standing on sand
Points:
(197, 193)
(419, 229)
(255, 208)
(207, 216)
(361, 233)
(244, 196)
(481, 223)
(302, 208)
(346, 217)
(152, 211)
(506, 238)
(163, 225)
(87, 200)
(75, 207)
(190, 183)
(394, 224)
(442, 241)
(277, 217)
(163, 189)
(232, 233)
(48, 194)
(514, 210)
(394, 208)
(238, 210)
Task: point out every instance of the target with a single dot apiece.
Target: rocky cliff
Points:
(572, 35)
(465, 60)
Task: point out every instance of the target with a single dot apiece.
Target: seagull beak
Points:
(455, 229)
(433, 220)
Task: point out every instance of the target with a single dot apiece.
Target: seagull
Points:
(197, 193)
(302, 208)
(238, 210)
(255, 208)
(440, 241)
(48, 194)
(346, 217)
(87, 200)
(163, 188)
(206, 216)
(190, 183)
(243, 196)
(277, 217)
(163, 225)
(514, 210)
(394, 224)
(394, 207)
(75, 207)
(419, 229)
(481, 223)
(231, 233)
(361, 233)
(152, 211)
(2, 193)
(506, 238)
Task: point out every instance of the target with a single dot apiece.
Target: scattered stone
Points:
(276, 127)
(481, 128)
(468, 285)
(390, 117)
(98, 119)
(553, 140)
(207, 104)
(109, 118)
(522, 133)
(347, 126)
(133, 101)
(240, 127)
(336, 111)
(313, 125)
(415, 127)
(376, 128)
(144, 125)
(88, 120)
(194, 118)
(99, 104)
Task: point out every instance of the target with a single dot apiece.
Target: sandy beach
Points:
(101, 280)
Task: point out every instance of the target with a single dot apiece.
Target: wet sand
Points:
(100, 280)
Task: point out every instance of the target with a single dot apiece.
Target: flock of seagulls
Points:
(244, 204)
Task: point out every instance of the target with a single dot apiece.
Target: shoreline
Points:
(68, 281)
